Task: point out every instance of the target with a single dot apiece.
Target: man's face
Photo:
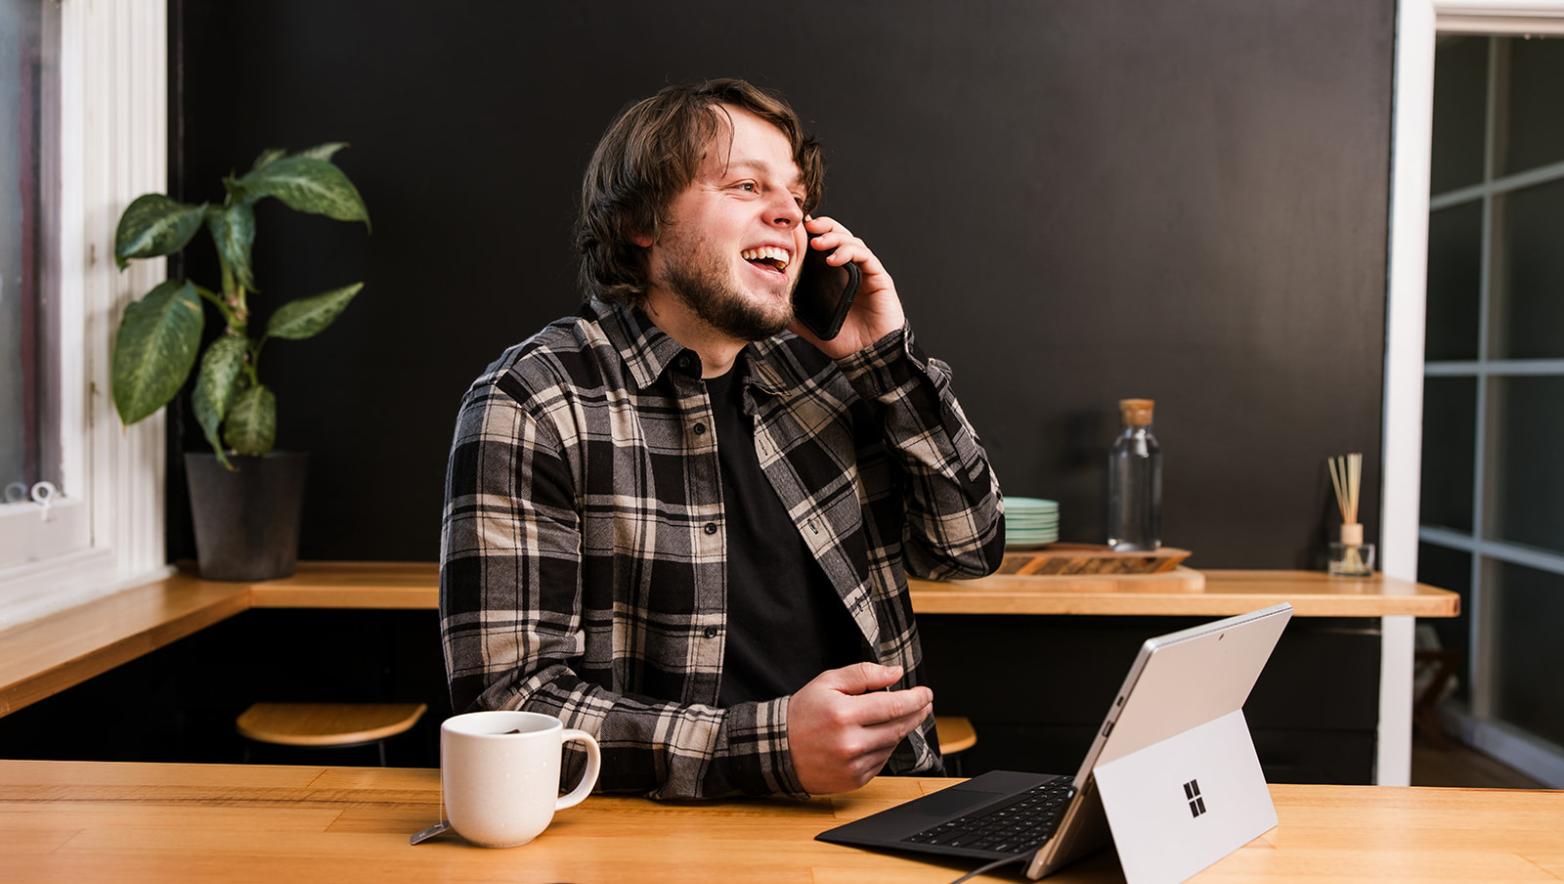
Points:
(734, 241)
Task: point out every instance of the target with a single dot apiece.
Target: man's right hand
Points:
(842, 728)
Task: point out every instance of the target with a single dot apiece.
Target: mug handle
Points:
(589, 777)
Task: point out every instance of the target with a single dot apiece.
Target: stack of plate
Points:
(1030, 522)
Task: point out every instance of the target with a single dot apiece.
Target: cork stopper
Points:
(1136, 412)
(1352, 533)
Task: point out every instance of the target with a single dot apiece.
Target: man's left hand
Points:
(876, 311)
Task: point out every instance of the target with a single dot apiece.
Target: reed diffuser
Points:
(1351, 557)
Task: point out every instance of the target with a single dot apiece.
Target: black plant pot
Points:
(247, 521)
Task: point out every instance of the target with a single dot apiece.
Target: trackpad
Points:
(950, 802)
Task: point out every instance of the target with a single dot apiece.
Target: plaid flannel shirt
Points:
(582, 562)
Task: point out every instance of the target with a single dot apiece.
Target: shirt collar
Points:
(647, 350)
(762, 372)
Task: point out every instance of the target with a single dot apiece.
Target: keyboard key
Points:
(1020, 824)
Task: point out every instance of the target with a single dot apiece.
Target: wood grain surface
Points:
(1224, 593)
(327, 724)
(48, 655)
(86, 821)
(1182, 592)
(1089, 558)
(956, 733)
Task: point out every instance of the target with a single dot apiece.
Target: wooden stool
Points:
(956, 735)
(328, 725)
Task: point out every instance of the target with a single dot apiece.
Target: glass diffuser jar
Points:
(1351, 557)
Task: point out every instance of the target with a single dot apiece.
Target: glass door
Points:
(1492, 499)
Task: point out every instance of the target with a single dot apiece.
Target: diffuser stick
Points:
(1351, 557)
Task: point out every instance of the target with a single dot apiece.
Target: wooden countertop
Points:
(95, 821)
(1312, 594)
(379, 585)
(47, 656)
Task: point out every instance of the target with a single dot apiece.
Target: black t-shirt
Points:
(786, 624)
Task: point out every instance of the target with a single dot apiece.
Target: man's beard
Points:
(701, 281)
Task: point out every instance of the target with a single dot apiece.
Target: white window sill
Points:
(37, 589)
(31, 535)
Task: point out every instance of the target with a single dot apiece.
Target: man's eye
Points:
(747, 186)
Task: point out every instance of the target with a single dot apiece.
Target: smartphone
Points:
(824, 293)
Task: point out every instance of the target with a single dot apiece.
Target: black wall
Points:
(1080, 201)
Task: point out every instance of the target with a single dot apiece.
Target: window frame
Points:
(1418, 22)
(110, 145)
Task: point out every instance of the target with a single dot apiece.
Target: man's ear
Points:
(642, 239)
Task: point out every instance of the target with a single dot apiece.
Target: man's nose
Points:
(787, 213)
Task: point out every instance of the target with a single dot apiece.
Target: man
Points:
(683, 529)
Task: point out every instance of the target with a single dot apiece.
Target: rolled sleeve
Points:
(954, 508)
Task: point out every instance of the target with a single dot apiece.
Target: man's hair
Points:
(648, 156)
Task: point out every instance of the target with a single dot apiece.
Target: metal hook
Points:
(43, 495)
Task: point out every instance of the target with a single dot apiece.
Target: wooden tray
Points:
(1089, 558)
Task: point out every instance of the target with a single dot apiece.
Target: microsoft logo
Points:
(1197, 805)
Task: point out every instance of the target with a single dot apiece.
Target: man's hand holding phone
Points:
(876, 311)
(843, 726)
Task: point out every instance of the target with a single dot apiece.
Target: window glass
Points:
(21, 74)
(1455, 255)
(1450, 569)
(1528, 485)
(1449, 445)
(1536, 132)
(1460, 104)
(1528, 293)
(1527, 607)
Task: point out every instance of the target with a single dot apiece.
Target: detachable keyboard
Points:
(1023, 823)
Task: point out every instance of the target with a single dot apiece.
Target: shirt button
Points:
(700, 429)
(711, 528)
(711, 632)
(684, 362)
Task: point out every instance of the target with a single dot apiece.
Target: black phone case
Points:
(824, 294)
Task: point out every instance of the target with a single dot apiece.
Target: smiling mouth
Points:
(767, 257)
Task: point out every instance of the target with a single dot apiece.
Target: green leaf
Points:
(216, 386)
(154, 225)
(322, 151)
(307, 184)
(233, 229)
(251, 424)
(155, 348)
(267, 156)
(234, 190)
(306, 317)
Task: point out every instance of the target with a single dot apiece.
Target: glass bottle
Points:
(1135, 482)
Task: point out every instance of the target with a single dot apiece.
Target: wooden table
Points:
(84, 821)
(49, 655)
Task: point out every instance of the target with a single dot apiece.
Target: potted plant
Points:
(245, 498)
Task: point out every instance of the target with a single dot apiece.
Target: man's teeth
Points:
(766, 253)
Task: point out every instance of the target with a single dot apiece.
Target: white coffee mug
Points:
(499, 773)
